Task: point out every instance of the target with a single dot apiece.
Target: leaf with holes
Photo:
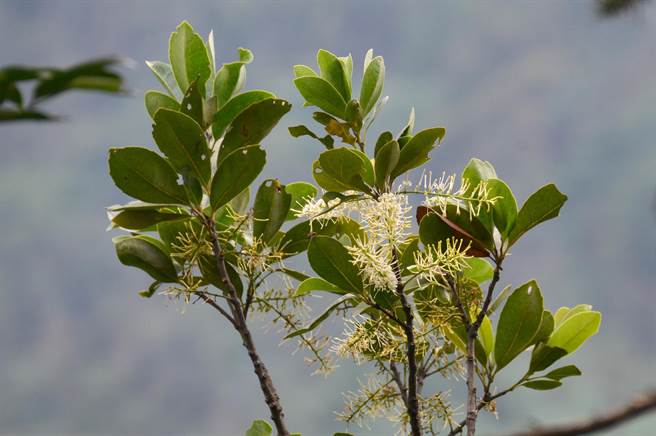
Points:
(144, 175)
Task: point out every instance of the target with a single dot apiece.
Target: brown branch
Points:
(413, 399)
(642, 404)
(396, 375)
(266, 384)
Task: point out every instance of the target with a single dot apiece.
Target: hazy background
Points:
(547, 91)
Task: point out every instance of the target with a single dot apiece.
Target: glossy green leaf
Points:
(297, 239)
(235, 173)
(147, 293)
(146, 254)
(334, 71)
(498, 301)
(317, 284)
(560, 315)
(563, 372)
(271, 207)
(541, 206)
(546, 328)
(259, 428)
(542, 384)
(144, 175)
(415, 153)
(189, 57)
(504, 210)
(574, 331)
(339, 170)
(387, 157)
(301, 193)
(409, 127)
(253, 124)
(372, 84)
(164, 73)
(143, 219)
(235, 106)
(477, 170)
(518, 323)
(304, 71)
(332, 262)
(543, 356)
(91, 75)
(156, 100)
(486, 335)
(573, 311)
(182, 140)
(479, 270)
(319, 92)
(383, 139)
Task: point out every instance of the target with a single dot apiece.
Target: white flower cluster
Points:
(441, 192)
(317, 208)
(437, 262)
(387, 219)
(375, 264)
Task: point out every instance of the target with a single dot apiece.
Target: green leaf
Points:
(574, 331)
(543, 356)
(334, 71)
(541, 206)
(321, 318)
(372, 84)
(409, 127)
(387, 157)
(563, 372)
(317, 284)
(434, 228)
(343, 169)
(332, 262)
(518, 323)
(573, 311)
(383, 139)
(560, 315)
(253, 124)
(235, 106)
(303, 71)
(546, 327)
(235, 173)
(542, 384)
(477, 170)
(189, 57)
(240, 203)
(415, 153)
(272, 204)
(143, 219)
(195, 106)
(164, 73)
(182, 140)
(259, 428)
(298, 131)
(301, 193)
(144, 175)
(147, 293)
(504, 210)
(146, 254)
(479, 270)
(319, 92)
(156, 100)
(486, 335)
(92, 75)
(503, 295)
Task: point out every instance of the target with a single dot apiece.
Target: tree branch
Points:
(413, 400)
(266, 384)
(642, 404)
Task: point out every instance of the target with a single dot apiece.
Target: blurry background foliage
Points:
(545, 91)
